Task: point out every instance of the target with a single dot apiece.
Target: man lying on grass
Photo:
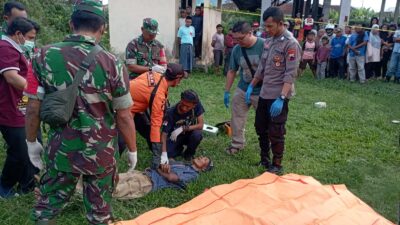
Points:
(136, 184)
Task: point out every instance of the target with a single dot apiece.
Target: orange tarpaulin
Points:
(268, 199)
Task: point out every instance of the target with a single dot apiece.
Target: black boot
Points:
(387, 79)
(276, 166)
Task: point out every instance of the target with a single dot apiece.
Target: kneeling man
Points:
(183, 125)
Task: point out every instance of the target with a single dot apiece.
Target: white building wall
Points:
(126, 19)
(211, 19)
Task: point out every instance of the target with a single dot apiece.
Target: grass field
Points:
(351, 142)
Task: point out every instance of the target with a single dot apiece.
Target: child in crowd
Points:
(218, 45)
(309, 49)
(322, 56)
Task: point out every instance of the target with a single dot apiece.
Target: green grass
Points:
(351, 142)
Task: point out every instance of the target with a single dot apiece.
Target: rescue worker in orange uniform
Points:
(150, 90)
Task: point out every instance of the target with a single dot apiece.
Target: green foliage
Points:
(230, 18)
(362, 15)
(357, 15)
(53, 16)
(334, 16)
(351, 142)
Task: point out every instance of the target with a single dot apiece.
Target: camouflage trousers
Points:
(56, 188)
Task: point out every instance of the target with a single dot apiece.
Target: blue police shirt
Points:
(186, 173)
(353, 42)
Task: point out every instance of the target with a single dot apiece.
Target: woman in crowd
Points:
(373, 57)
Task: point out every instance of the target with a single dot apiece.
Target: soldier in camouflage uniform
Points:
(144, 54)
(12, 10)
(86, 145)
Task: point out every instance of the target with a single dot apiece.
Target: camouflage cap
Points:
(91, 6)
(151, 25)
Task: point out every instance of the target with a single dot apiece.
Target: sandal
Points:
(232, 150)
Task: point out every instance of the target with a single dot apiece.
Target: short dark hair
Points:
(274, 12)
(190, 96)
(219, 25)
(36, 26)
(242, 27)
(188, 18)
(87, 21)
(11, 5)
(174, 71)
(19, 24)
(198, 7)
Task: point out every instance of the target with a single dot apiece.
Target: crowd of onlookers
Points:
(357, 52)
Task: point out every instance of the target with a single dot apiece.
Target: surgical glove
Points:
(276, 107)
(132, 158)
(164, 158)
(176, 133)
(227, 96)
(158, 69)
(35, 150)
(248, 93)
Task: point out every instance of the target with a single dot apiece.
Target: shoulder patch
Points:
(291, 54)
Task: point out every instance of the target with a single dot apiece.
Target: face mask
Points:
(30, 45)
(27, 48)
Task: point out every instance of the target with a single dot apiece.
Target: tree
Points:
(334, 16)
(362, 15)
(53, 16)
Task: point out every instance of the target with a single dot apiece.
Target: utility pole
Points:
(396, 12)
(382, 11)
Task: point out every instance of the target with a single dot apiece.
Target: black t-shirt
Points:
(389, 39)
(174, 120)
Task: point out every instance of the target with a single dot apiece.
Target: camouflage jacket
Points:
(141, 53)
(87, 144)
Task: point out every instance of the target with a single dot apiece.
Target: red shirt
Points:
(12, 101)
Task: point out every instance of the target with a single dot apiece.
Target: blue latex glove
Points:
(248, 94)
(276, 107)
(227, 96)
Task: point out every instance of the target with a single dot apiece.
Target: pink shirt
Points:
(309, 50)
(323, 53)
